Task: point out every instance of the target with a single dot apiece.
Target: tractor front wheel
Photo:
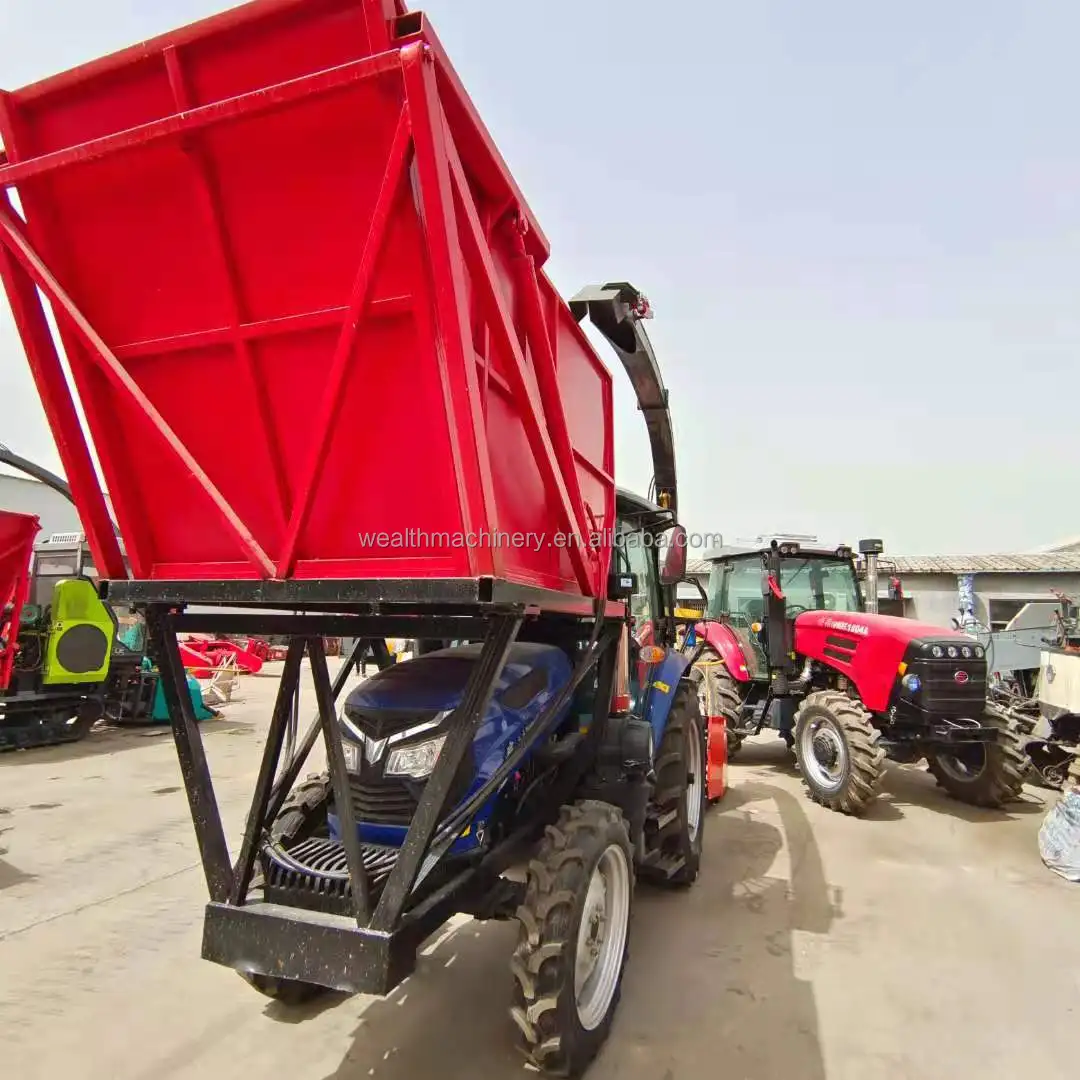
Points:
(573, 941)
(836, 746)
(302, 815)
(718, 695)
(983, 774)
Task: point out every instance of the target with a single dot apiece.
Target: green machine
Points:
(67, 662)
(80, 637)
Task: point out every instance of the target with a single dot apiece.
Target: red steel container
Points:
(17, 532)
(302, 301)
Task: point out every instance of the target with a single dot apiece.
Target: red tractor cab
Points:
(788, 643)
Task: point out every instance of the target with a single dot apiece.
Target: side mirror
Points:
(674, 568)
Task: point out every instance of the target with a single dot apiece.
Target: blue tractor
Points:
(587, 802)
(586, 766)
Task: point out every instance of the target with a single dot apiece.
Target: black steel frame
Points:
(376, 948)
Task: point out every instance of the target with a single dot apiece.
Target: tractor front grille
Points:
(941, 694)
(383, 800)
(314, 875)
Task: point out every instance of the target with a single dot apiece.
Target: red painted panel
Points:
(302, 301)
(17, 532)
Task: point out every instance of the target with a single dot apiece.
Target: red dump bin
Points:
(17, 533)
(302, 300)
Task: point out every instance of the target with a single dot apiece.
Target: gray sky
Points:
(859, 226)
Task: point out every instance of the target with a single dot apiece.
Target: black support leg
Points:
(194, 768)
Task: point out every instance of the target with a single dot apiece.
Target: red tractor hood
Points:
(859, 623)
(866, 648)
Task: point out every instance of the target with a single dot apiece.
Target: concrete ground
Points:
(927, 941)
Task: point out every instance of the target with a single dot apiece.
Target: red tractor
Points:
(787, 642)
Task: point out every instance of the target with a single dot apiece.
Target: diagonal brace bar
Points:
(339, 779)
(536, 425)
(296, 762)
(12, 238)
(257, 820)
(323, 424)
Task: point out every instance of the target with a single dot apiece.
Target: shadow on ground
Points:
(111, 739)
(902, 785)
(710, 982)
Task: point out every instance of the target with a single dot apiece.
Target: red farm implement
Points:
(17, 532)
(300, 195)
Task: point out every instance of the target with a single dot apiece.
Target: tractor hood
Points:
(892, 628)
(875, 650)
(436, 682)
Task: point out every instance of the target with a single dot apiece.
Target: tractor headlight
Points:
(979, 651)
(952, 652)
(415, 761)
(938, 651)
(911, 683)
(965, 652)
(351, 751)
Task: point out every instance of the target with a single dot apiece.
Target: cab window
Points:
(636, 556)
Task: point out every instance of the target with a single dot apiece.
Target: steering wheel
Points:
(795, 610)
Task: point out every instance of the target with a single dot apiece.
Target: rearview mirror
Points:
(674, 568)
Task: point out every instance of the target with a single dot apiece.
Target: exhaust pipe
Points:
(870, 550)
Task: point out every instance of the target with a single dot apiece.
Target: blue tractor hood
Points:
(436, 682)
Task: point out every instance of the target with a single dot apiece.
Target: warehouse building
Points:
(22, 495)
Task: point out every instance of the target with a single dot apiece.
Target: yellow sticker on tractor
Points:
(662, 687)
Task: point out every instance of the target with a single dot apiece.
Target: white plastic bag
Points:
(1059, 837)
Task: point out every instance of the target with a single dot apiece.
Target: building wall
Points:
(25, 496)
(933, 598)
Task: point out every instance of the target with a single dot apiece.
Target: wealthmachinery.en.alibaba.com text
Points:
(532, 541)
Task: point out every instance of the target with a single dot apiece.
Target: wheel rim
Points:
(693, 788)
(823, 753)
(602, 937)
(1055, 775)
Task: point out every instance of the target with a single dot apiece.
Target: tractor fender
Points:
(660, 691)
(722, 640)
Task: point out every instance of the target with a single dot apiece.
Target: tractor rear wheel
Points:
(302, 816)
(836, 746)
(983, 774)
(718, 695)
(574, 935)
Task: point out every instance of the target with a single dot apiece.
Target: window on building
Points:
(891, 606)
(1002, 612)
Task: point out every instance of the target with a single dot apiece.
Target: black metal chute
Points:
(10, 458)
(617, 310)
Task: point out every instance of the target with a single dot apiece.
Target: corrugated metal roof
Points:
(1056, 562)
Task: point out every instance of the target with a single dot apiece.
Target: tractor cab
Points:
(740, 592)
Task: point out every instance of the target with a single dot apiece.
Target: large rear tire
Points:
(574, 936)
(836, 746)
(984, 774)
(718, 695)
(680, 798)
(302, 815)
